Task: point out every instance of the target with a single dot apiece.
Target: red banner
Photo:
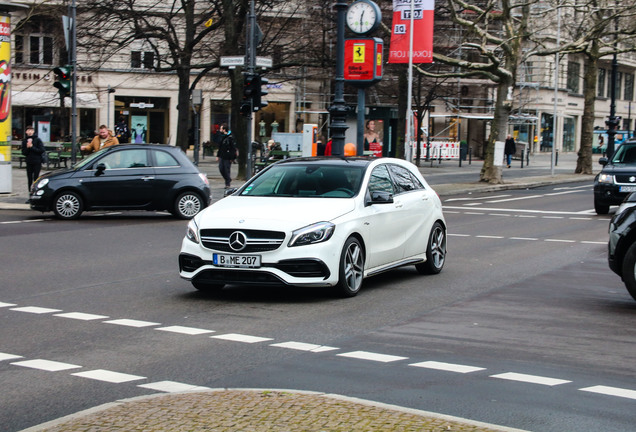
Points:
(423, 17)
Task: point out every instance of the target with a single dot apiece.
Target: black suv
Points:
(617, 179)
(125, 177)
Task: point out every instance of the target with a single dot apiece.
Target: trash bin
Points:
(6, 178)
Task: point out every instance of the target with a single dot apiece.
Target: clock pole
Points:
(338, 109)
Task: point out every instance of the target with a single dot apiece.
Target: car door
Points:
(384, 233)
(125, 182)
(416, 211)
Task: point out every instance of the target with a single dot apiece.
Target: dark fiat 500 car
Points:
(125, 177)
(617, 178)
(622, 243)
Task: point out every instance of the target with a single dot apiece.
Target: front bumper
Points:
(608, 194)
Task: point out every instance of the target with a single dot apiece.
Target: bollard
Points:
(522, 151)
(470, 155)
(556, 157)
(528, 158)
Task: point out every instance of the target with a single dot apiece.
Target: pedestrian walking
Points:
(226, 154)
(510, 149)
(33, 150)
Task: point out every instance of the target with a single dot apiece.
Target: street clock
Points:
(363, 16)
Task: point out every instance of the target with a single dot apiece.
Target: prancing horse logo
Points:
(237, 241)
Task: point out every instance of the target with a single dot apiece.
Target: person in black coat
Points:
(510, 148)
(32, 149)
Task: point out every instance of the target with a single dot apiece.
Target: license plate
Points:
(627, 189)
(241, 261)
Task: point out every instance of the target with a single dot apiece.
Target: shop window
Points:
(629, 87)
(142, 59)
(574, 72)
(600, 88)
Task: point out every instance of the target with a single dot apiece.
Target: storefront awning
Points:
(52, 99)
(465, 116)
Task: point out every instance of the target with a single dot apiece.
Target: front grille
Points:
(256, 240)
(626, 179)
(238, 277)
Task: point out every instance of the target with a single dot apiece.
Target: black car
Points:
(622, 243)
(125, 177)
(617, 178)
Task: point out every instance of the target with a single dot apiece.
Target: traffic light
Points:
(261, 91)
(63, 79)
(249, 92)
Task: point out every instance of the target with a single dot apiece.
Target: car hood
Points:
(272, 213)
(619, 169)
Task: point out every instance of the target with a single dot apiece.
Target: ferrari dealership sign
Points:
(422, 12)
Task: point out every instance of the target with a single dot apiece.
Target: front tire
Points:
(187, 205)
(68, 205)
(629, 270)
(601, 209)
(435, 251)
(351, 269)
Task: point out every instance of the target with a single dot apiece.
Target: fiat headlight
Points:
(315, 233)
(605, 178)
(42, 183)
(193, 231)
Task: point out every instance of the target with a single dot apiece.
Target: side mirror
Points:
(603, 161)
(100, 168)
(229, 191)
(379, 197)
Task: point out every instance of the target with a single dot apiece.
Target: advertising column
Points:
(5, 103)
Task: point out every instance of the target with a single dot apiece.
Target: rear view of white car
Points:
(328, 222)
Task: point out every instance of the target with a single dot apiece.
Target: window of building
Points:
(35, 43)
(629, 87)
(600, 90)
(619, 79)
(142, 59)
(574, 72)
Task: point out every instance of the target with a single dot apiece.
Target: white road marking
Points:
(108, 376)
(132, 323)
(365, 355)
(449, 367)
(476, 198)
(235, 337)
(594, 242)
(564, 193)
(304, 346)
(560, 240)
(81, 316)
(6, 304)
(514, 199)
(47, 365)
(489, 237)
(459, 235)
(523, 211)
(611, 391)
(475, 213)
(533, 379)
(524, 238)
(185, 330)
(6, 356)
(172, 387)
(35, 310)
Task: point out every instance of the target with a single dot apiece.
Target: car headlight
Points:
(42, 183)
(193, 231)
(315, 233)
(605, 178)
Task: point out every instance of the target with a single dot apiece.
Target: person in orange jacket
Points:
(104, 138)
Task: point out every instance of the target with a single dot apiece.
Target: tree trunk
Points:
(183, 107)
(490, 172)
(584, 160)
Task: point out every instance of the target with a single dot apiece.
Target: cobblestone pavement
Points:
(257, 411)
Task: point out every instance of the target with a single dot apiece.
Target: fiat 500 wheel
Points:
(187, 205)
(68, 205)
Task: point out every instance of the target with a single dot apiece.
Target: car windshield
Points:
(626, 154)
(89, 159)
(306, 180)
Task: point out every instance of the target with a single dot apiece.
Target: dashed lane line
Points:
(171, 386)
(547, 240)
(81, 316)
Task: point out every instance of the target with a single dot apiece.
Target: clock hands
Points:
(361, 22)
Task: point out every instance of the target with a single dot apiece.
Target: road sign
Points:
(264, 62)
(232, 61)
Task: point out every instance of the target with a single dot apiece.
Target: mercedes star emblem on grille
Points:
(237, 241)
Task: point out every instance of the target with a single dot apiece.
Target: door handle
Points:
(146, 178)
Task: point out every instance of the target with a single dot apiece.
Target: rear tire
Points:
(187, 205)
(435, 251)
(351, 269)
(629, 270)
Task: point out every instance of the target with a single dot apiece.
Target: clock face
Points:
(363, 16)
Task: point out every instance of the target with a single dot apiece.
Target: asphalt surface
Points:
(292, 410)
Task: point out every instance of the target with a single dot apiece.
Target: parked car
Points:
(326, 222)
(622, 243)
(617, 178)
(125, 177)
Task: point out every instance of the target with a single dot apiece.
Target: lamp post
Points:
(338, 109)
(612, 121)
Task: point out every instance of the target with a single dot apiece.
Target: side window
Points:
(165, 159)
(126, 159)
(404, 180)
(381, 180)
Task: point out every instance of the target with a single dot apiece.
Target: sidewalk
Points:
(447, 177)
